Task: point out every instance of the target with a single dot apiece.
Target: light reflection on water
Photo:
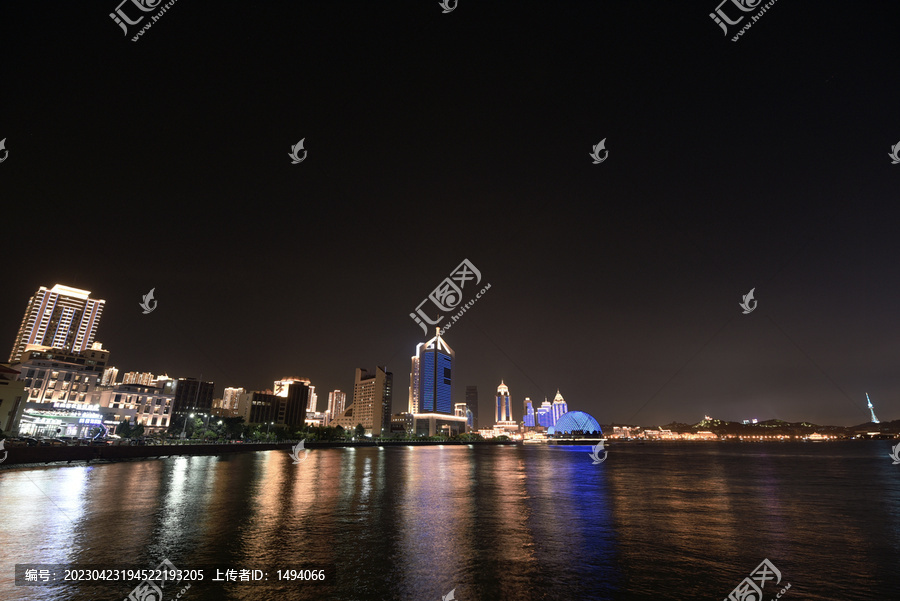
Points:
(525, 523)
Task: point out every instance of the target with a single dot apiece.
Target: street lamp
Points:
(269, 425)
(183, 426)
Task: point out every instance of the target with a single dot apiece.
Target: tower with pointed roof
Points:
(503, 411)
(558, 408)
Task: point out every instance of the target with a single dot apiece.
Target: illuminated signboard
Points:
(76, 406)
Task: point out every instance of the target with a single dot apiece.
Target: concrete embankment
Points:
(68, 454)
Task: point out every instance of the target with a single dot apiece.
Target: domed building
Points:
(577, 422)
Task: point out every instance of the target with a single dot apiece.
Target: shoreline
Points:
(65, 455)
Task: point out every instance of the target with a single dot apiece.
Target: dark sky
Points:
(435, 137)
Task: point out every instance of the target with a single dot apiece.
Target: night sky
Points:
(434, 138)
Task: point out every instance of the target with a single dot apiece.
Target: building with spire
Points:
(502, 407)
(503, 411)
(558, 408)
(62, 318)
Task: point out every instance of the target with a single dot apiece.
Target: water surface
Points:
(658, 521)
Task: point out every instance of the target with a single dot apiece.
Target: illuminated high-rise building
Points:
(503, 408)
(337, 402)
(558, 407)
(141, 378)
(431, 377)
(313, 400)
(230, 399)
(545, 414)
(371, 406)
(528, 414)
(109, 376)
(61, 318)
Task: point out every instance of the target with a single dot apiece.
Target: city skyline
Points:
(545, 415)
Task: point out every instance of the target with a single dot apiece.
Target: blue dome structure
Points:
(577, 421)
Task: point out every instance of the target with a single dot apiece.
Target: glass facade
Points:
(577, 421)
(428, 372)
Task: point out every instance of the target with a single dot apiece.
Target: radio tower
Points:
(872, 409)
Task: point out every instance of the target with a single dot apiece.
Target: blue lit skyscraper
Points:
(544, 414)
(528, 414)
(430, 379)
(558, 407)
